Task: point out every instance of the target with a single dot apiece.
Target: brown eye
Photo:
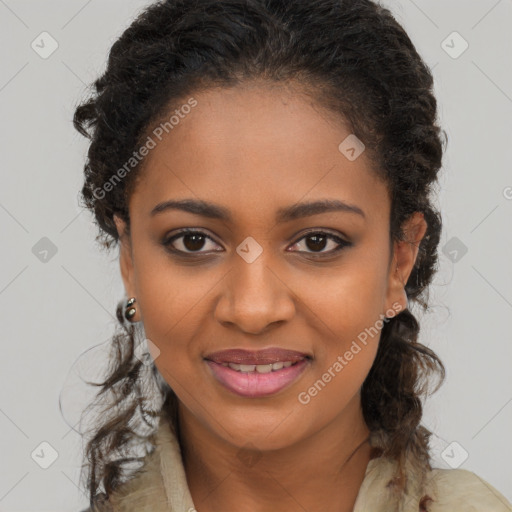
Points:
(193, 241)
(188, 242)
(317, 241)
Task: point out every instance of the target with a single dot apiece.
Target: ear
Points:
(125, 256)
(405, 253)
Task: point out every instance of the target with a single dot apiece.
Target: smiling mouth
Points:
(261, 368)
(258, 380)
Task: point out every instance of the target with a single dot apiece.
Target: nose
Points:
(254, 298)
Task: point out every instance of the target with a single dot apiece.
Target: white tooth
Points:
(263, 368)
(247, 367)
(259, 368)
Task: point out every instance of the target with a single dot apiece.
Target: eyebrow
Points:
(297, 211)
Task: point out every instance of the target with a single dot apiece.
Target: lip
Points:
(264, 356)
(254, 384)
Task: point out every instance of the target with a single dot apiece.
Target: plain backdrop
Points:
(58, 292)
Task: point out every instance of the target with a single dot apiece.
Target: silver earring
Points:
(130, 309)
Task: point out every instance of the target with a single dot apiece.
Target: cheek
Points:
(170, 296)
(347, 321)
(345, 311)
(335, 387)
(345, 300)
(175, 301)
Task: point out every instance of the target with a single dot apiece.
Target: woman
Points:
(266, 169)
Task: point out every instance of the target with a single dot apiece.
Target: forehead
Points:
(255, 147)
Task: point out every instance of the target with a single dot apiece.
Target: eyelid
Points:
(342, 242)
(186, 231)
(324, 231)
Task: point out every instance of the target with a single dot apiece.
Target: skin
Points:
(255, 149)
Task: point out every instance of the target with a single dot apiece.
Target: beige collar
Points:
(161, 486)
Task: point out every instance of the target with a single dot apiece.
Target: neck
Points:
(322, 472)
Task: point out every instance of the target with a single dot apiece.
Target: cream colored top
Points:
(162, 487)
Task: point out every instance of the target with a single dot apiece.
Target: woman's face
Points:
(263, 270)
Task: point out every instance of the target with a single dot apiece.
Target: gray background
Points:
(56, 306)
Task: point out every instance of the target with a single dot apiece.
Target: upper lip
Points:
(264, 356)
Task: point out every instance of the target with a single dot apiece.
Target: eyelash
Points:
(167, 243)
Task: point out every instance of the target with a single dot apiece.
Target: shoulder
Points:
(460, 489)
(158, 485)
(439, 490)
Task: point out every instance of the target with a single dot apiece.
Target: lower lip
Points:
(256, 384)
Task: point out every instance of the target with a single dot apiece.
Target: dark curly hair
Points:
(352, 57)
